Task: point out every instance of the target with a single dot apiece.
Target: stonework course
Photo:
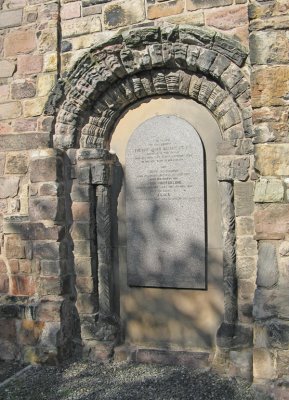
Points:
(69, 72)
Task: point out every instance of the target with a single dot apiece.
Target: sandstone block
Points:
(246, 246)
(83, 26)
(16, 163)
(25, 125)
(267, 266)
(8, 187)
(272, 221)
(4, 284)
(269, 47)
(80, 193)
(282, 367)
(241, 364)
(51, 268)
(81, 211)
(29, 64)
(47, 41)
(50, 62)
(284, 249)
(3, 267)
(231, 336)
(196, 4)
(29, 332)
(243, 195)
(83, 266)
(227, 17)
(80, 231)
(270, 86)
(2, 163)
(21, 89)
(263, 365)
(45, 83)
(11, 18)
(50, 285)
(19, 42)
(231, 168)
(246, 267)
(34, 107)
(82, 248)
(123, 12)
(166, 9)
(49, 310)
(22, 285)
(32, 231)
(10, 110)
(269, 191)
(92, 10)
(44, 208)
(25, 266)
(45, 169)
(272, 159)
(48, 250)
(14, 247)
(265, 304)
(244, 226)
(85, 284)
(51, 189)
(7, 68)
(70, 10)
(4, 91)
(25, 141)
(86, 303)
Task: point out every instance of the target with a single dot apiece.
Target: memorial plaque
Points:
(165, 205)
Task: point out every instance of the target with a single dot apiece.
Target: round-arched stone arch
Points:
(196, 63)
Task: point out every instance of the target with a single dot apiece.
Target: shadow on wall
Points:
(166, 317)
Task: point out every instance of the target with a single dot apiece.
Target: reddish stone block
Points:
(81, 211)
(3, 267)
(227, 18)
(25, 266)
(4, 283)
(14, 247)
(5, 127)
(29, 332)
(19, 42)
(70, 10)
(14, 266)
(272, 221)
(22, 285)
(29, 64)
(25, 125)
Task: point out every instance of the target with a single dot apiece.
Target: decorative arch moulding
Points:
(194, 62)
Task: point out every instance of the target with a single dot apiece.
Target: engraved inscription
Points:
(165, 205)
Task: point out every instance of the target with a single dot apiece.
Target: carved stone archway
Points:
(197, 63)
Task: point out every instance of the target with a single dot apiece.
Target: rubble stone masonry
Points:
(49, 193)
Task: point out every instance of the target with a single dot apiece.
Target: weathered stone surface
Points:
(165, 9)
(246, 267)
(32, 231)
(272, 221)
(45, 83)
(14, 247)
(92, 10)
(7, 68)
(83, 266)
(70, 10)
(50, 285)
(86, 303)
(246, 246)
(50, 62)
(277, 334)
(267, 267)
(45, 208)
(282, 369)
(21, 89)
(269, 47)
(270, 86)
(124, 12)
(9, 187)
(25, 141)
(11, 18)
(83, 26)
(272, 159)
(29, 332)
(265, 303)
(243, 195)
(25, 125)
(16, 163)
(231, 336)
(196, 4)
(284, 248)
(45, 169)
(81, 211)
(269, 191)
(244, 226)
(29, 64)
(10, 110)
(231, 168)
(33, 107)
(263, 365)
(241, 364)
(16, 42)
(227, 18)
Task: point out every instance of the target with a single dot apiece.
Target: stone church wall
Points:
(46, 200)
